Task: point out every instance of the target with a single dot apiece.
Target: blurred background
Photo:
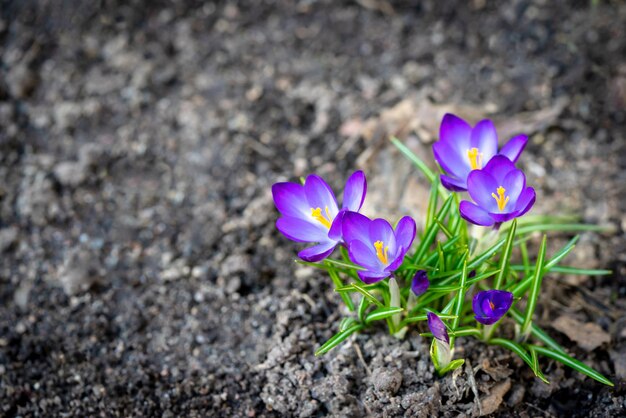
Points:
(140, 270)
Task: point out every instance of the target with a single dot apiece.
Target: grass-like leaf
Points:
(534, 289)
(520, 351)
(338, 338)
(458, 302)
(521, 287)
(568, 270)
(432, 203)
(505, 257)
(363, 305)
(382, 313)
(421, 165)
(367, 294)
(536, 331)
(338, 283)
(564, 228)
(570, 362)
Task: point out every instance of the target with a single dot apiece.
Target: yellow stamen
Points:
(324, 220)
(500, 198)
(475, 158)
(492, 305)
(382, 255)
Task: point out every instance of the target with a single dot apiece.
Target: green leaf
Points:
(367, 294)
(505, 257)
(564, 228)
(431, 231)
(461, 332)
(421, 165)
(571, 362)
(454, 364)
(338, 338)
(534, 290)
(432, 203)
(521, 287)
(569, 270)
(536, 331)
(338, 283)
(346, 323)
(344, 264)
(382, 313)
(520, 351)
(458, 303)
(363, 305)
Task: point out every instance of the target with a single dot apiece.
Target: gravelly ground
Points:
(141, 274)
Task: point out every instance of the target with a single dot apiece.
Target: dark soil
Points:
(141, 273)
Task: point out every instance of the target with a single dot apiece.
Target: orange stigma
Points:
(475, 158)
(501, 200)
(318, 216)
(382, 255)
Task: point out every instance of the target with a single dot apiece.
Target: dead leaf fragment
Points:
(588, 336)
(490, 403)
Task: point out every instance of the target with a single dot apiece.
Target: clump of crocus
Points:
(499, 191)
(491, 305)
(461, 149)
(403, 288)
(310, 212)
(375, 245)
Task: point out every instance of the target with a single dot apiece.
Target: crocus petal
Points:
(490, 305)
(499, 166)
(397, 262)
(513, 183)
(474, 214)
(455, 131)
(364, 255)
(503, 217)
(290, 200)
(452, 160)
(525, 201)
(437, 327)
(355, 227)
(317, 252)
(369, 277)
(334, 233)
(453, 184)
(354, 192)
(514, 147)
(381, 230)
(420, 283)
(319, 194)
(485, 138)
(405, 232)
(299, 230)
(480, 186)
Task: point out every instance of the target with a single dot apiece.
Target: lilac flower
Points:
(461, 149)
(420, 283)
(310, 213)
(500, 192)
(375, 245)
(490, 305)
(438, 328)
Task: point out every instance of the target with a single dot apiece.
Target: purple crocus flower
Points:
(461, 149)
(499, 191)
(490, 305)
(375, 245)
(420, 283)
(310, 213)
(437, 328)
